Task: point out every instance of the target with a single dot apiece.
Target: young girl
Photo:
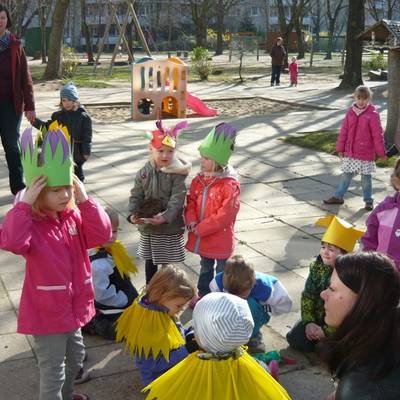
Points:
(212, 205)
(383, 224)
(360, 140)
(53, 236)
(340, 238)
(150, 327)
(156, 201)
(293, 71)
(73, 116)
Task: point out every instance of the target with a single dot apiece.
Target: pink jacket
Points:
(293, 71)
(361, 136)
(213, 204)
(57, 294)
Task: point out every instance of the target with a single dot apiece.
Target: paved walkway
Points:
(282, 191)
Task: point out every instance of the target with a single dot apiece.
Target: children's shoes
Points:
(256, 344)
(369, 205)
(334, 200)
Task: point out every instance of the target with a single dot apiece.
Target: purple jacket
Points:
(383, 229)
(361, 136)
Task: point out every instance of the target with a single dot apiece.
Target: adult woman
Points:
(16, 95)
(277, 54)
(362, 303)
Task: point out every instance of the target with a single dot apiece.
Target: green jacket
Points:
(166, 184)
(312, 306)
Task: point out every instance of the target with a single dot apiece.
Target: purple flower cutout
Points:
(225, 129)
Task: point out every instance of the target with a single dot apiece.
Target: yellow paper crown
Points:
(339, 232)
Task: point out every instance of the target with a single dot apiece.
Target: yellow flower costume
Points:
(233, 378)
(123, 261)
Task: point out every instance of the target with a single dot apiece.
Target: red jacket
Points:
(361, 136)
(293, 71)
(213, 203)
(21, 78)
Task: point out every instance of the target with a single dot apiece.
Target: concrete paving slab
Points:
(265, 265)
(8, 322)
(5, 304)
(256, 223)
(267, 234)
(14, 346)
(13, 280)
(15, 297)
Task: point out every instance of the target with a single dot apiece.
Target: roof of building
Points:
(384, 29)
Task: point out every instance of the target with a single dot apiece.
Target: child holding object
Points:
(52, 226)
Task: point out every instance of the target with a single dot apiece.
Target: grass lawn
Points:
(325, 141)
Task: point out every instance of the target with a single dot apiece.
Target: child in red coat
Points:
(212, 205)
(293, 71)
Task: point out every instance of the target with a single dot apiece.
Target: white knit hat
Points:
(222, 322)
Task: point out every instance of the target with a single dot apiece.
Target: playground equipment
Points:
(159, 90)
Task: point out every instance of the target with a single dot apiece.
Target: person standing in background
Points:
(277, 54)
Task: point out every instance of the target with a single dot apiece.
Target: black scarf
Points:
(5, 41)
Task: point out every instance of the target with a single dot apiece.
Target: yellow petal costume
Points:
(123, 261)
(147, 330)
(194, 378)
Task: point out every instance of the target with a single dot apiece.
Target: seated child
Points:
(340, 238)
(264, 294)
(383, 224)
(150, 326)
(113, 289)
(221, 369)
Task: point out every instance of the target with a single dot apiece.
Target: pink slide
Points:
(199, 107)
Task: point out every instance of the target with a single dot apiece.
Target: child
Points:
(264, 294)
(293, 71)
(161, 184)
(73, 116)
(383, 224)
(53, 236)
(150, 327)
(360, 139)
(113, 289)
(221, 369)
(212, 205)
(340, 238)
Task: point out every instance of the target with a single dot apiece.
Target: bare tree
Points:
(378, 13)
(352, 76)
(86, 33)
(392, 133)
(44, 9)
(200, 15)
(333, 8)
(22, 13)
(316, 15)
(222, 9)
(53, 68)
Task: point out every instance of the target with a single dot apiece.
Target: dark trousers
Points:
(9, 130)
(150, 269)
(207, 273)
(276, 74)
(78, 171)
(297, 338)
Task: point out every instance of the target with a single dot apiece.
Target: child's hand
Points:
(341, 155)
(33, 191)
(191, 227)
(314, 331)
(80, 191)
(30, 116)
(156, 220)
(135, 220)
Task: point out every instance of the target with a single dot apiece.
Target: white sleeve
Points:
(105, 293)
(279, 301)
(213, 286)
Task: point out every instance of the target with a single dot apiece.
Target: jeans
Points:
(276, 74)
(60, 357)
(345, 180)
(298, 340)
(259, 313)
(9, 132)
(207, 273)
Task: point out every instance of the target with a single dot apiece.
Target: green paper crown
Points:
(219, 143)
(50, 157)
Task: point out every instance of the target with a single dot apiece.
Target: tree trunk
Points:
(220, 26)
(300, 41)
(86, 33)
(199, 10)
(331, 31)
(392, 133)
(53, 68)
(42, 19)
(352, 76)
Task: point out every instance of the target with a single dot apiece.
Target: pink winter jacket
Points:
(361, 136)
(57, 294)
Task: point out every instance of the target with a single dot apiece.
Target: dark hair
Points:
(370, 332)
(9, 20)
(395, 177)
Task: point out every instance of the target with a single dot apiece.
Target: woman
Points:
(361, 302)
(16, 96)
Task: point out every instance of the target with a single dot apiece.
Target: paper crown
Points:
(339, 232)
(49, 154)
(164, 135)
(219, 144)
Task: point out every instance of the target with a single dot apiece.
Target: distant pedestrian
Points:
(16, 97)
(78, 122)
(293, 71)
(277, 54)
(360, 140)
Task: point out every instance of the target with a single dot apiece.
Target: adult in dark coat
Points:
(16, 96)
(277, 54)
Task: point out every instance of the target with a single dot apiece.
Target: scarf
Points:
(5, 41)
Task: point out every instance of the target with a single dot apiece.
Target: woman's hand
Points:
(191, 227)
(30, 116)
(314, 331)
(33, 191)
(80, 191)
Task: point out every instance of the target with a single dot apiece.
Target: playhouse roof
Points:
(384, 29)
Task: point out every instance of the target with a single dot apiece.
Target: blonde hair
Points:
(395, 176)
(363, 91)
(239, 275)
(39, 204)
(170, 282)
(294, 58)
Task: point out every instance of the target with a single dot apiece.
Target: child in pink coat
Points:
(360, 141)
(293, 71)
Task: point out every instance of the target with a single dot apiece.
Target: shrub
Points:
(69, 62)
(201, 60)
(377, 61)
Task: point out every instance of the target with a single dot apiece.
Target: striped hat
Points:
(222, 322)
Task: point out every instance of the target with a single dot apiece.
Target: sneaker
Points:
(272, 84)
(334, 200)
(82, 376)
(80, 396)
(256, 344)
(369, 205)
(278, 84)
(274, 369)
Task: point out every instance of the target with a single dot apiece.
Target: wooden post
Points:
(312, 51)
(139, 30)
